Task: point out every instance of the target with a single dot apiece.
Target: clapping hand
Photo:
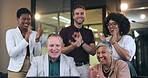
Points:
(96, 73)
(114, 37)
(101, 36)
(39, 33)
(93, 73)
(27, 35)
(78, 39)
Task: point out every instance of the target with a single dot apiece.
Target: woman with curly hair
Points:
(117, 26)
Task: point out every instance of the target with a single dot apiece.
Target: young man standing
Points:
(79, 41)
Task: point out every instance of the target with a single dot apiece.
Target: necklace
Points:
(106, 71)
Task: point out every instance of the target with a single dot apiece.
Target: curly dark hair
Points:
(120, 19)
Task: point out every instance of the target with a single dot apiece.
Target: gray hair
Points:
(105, 43)
(55, 35)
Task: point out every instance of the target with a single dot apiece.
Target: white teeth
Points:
(54, 52)
(101, 59)
(111, 29)
(26, 24)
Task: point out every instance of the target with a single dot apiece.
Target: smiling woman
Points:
(108, 67)
(117, 27)
(21, 45)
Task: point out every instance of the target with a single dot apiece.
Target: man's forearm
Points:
(66, 50)
(91, 49)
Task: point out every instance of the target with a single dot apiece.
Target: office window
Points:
(54, 15)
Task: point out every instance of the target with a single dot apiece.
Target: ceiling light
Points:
(142, 8)
(67, 25)
(63, 19)
(142, 16)
(93, 29)
(37, 16)
(124, 6)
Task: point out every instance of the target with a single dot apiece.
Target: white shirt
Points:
(16, 48)
(126, 42)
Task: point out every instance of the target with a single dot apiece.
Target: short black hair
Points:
(22, 11)
(120, 19)
(77, 6)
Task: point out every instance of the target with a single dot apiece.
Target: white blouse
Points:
(126, 42)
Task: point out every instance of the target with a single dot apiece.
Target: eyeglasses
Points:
(111, 24)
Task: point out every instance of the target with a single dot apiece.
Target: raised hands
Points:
(27, 35)
(101, 36)
(114, 37)
(93, 73)
(39, 32)
(96, 73)
(78, 39)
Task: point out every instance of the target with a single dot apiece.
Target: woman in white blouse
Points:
(117, 26)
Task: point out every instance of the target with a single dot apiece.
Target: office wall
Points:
(8, 9)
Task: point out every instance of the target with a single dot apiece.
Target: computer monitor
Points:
(56, 77)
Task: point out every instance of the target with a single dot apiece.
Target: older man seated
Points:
(108, 67)
(53, 63)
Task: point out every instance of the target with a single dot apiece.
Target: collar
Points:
(112, 67)
(51, 60)
(17, 28)
(77, 29)
(113, 63)
(20, 31)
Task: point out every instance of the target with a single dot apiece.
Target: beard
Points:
(79, 22)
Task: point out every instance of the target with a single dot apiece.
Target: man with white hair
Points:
(53, 63)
